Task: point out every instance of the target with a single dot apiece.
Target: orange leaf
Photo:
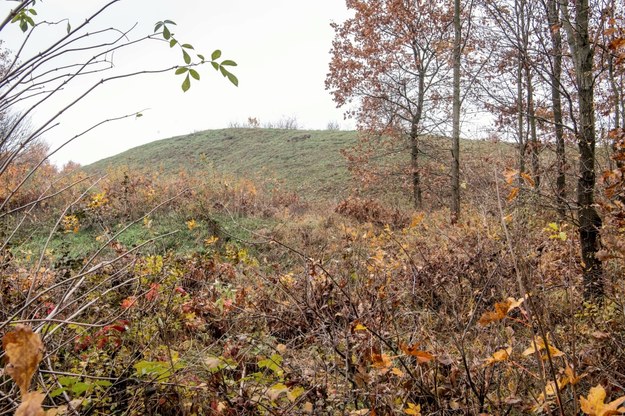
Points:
(381, 361)
(498, 356)
(24, 350)
(510, 175)
(513, 194)
(500, 312)
(422, 356)
(528, 179)
(539, 345)
(594, 404)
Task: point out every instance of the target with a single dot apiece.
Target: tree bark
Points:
(556, 102)
(531, 118)
(520, 118)
(455, 150)
(589, 220)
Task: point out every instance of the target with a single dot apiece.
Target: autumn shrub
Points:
(370, 210)
(315, 313)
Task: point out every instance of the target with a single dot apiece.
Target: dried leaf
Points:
(510, 175)
(498, 356)
(413, 409)
(500, 312)
(513, 194)
(594, 404)
(24, 350)
(31, 405)
(381, 361)
(413, 350)
(571, 377)
(528, 179)
(539, 344)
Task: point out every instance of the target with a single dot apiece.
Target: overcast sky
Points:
(281, 47)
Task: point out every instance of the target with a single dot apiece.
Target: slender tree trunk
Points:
(414, 140)
(455, 149)
(531, 118)
(556, 102)
(520, 117)
(589, 220)
(414, 166)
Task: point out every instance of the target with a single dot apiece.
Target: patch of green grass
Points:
(306, 161)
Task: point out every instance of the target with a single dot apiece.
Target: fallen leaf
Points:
(413, 409)
(498, 356)
(24, 350)
(31, 405)
(594, 404)
(539, 344)
(413, 350)
(500, 312)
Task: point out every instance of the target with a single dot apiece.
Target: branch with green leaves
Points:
(187, 49)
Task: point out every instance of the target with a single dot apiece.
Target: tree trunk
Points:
(520, 118)
(531, 118)
(589, 220)
(414, 166)
(556, 101)
(455, 149)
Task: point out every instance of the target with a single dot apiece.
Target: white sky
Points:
(281, 47)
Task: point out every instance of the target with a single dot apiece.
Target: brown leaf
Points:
(24, 350)
(422, 356)
(500, 312)
(31, 405)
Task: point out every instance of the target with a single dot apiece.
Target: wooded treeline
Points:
(547, 74)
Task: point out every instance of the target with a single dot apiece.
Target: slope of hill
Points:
(304, 161)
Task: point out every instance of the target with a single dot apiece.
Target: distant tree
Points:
(390, 67)
(333, 126)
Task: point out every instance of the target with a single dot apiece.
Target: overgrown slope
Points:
(309, 162)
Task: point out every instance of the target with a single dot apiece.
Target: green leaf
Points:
(187, 46)
(215, 65)
(23, 25)
(33, 12)
(16, 18)
(69, 27)
(194, 74)
(223, 71)
(228, 62)
(166, 33)
(181, 70)
(233, 79)
(216, 54)
(170, 22)
(57, 392)
(138, 115)
(158, 26)
(103, 383)
(81, 387)
(201, 57)
(172, 42)
(67, 381)
(29, 20)
(186, 57)
(186, 84)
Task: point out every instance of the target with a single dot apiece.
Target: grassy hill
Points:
(309, 162)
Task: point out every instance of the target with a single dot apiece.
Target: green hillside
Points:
(305, 161)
